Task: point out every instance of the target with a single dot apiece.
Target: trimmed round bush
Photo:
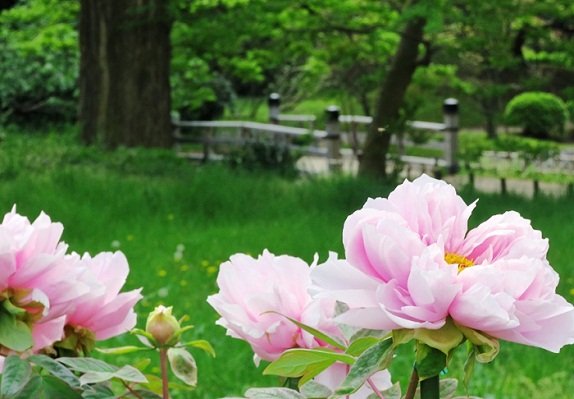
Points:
(542, 115)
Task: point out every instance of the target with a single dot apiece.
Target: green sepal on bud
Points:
(163, 326)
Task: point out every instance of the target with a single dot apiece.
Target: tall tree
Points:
(386, 115)
(124, 72)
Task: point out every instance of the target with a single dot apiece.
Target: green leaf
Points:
(444, 339)
(126, 373)
(13, 309)
(87, 364)
(333, 341)
(360, 345)
(15, 375)
(377, 357)
(183, 365)
(14, 333)
(98, 391)
(56, 369)
(429, 361)
(402, 336)
(272, 393)
(469, 364)
(448, 387)
(313, 389)
(487, 346)
(47, 387)
(393, 392)
(296, 362)
(201, 344)
(141, 394)
(123, 350)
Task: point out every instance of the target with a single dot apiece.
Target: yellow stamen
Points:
(462, 261)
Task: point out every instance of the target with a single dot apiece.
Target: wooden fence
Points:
(342, 137)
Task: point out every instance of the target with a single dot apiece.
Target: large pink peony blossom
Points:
(419, 265)
(104, 311)
(37, 276)
(254, 298)
(252, 288)
(45, 288)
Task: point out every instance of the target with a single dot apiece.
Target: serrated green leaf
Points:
(87, 364)
(183, 365)
(14, 333)
(377, 357)
(201, 344)
(272, 393)
(430, 361)
(123, 350)
(328, 339)
(15, 375)
(56, 369)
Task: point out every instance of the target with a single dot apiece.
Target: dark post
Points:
(333, 139)
(450, 114)
(274, 103)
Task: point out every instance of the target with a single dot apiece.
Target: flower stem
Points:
(413, 383)
(164, 379)
(374, 387)
(430, 388)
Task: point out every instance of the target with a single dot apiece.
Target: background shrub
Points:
(542, 115)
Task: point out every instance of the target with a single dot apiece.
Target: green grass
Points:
(149, 202)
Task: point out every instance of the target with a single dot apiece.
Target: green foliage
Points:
(266, 156)
(39, 61)
(541, 115)
(42, 377)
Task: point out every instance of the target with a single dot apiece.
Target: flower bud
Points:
(162, 325)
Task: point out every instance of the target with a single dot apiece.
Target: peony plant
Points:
(412, 272)
(55, 306)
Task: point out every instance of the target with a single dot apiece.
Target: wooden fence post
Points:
(333, 138)
(450, 115)
(274, 103)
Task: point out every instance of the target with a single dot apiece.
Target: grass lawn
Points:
(147, 203)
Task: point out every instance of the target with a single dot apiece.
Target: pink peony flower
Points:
(45, 288)
(251, 288)
(419, 265)
(105, 311)
(37, 276)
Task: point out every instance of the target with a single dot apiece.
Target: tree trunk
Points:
(124, 73)
(387, 109)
